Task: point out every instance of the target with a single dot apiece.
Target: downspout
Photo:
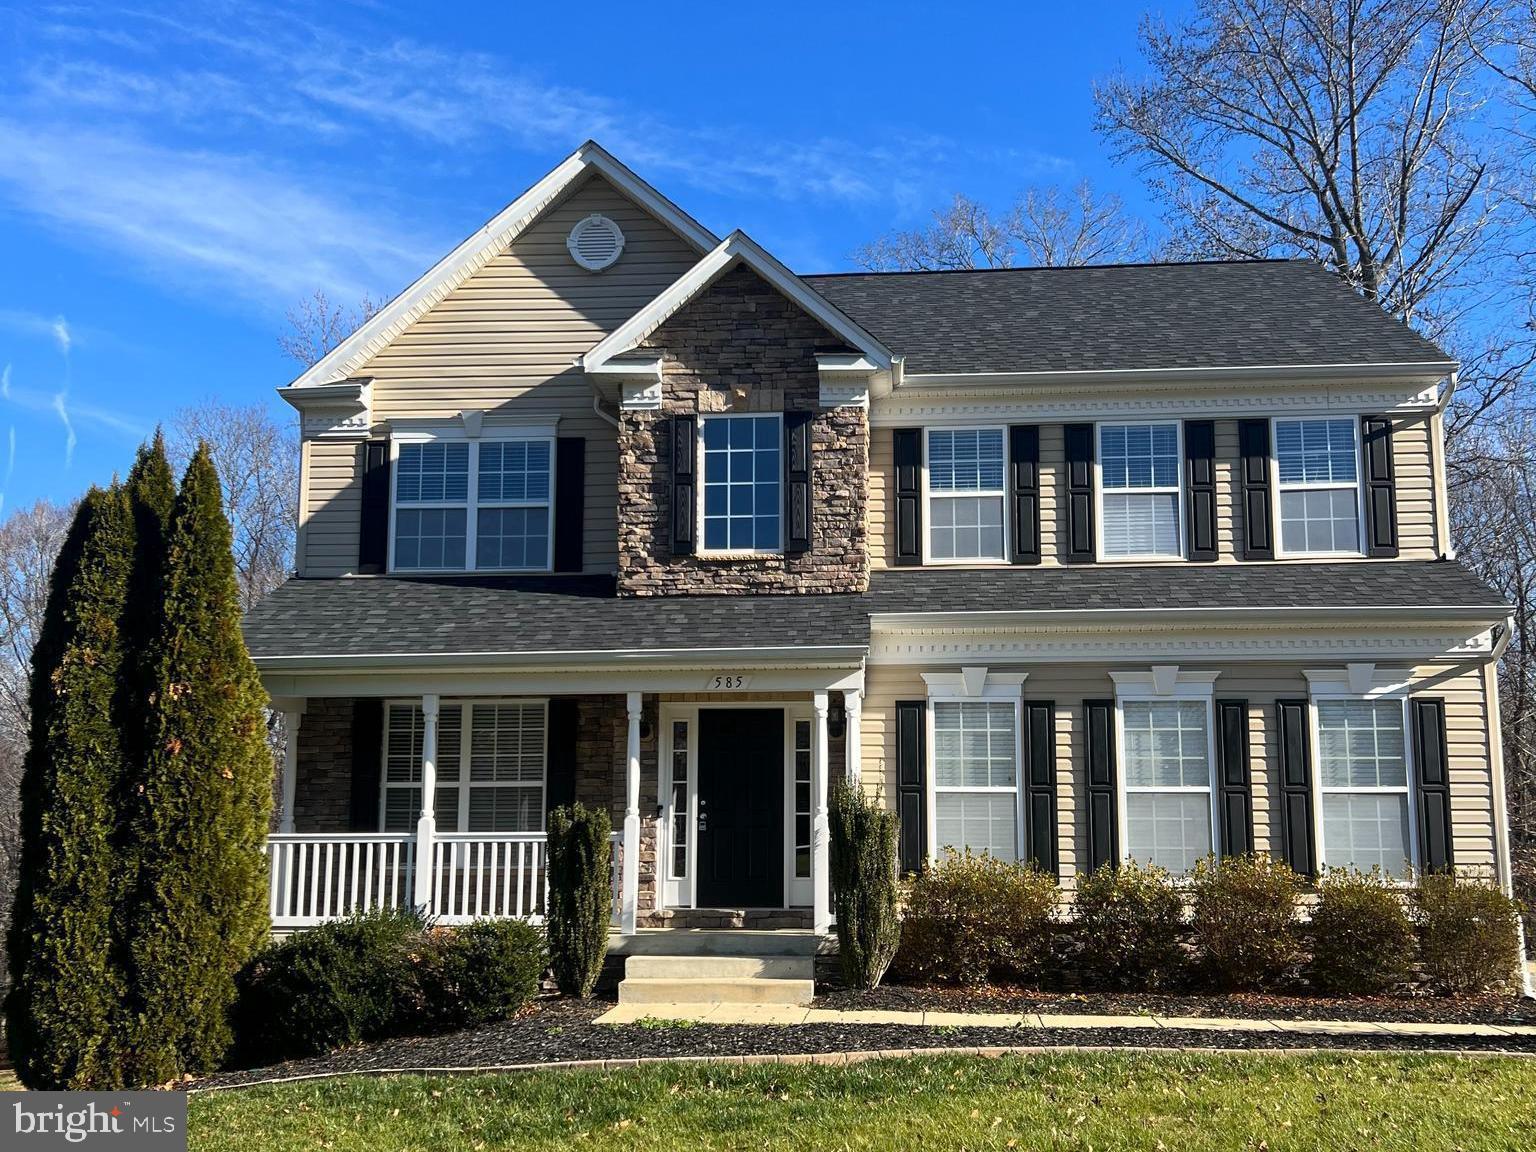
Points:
(1495, 727)
(597, 406)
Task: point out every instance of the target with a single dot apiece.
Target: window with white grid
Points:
(1167, 773)
(975, 776)
(402, 767)
(1317, 470)
(1139, 482)
(504, 759)
(966, 470)
(1362, 776)
(743, 475)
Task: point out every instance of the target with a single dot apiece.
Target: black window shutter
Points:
(1040, 783)
(1380, 487)
(911, 782)
(373, 531)
(685, 430)
(570, 501)
(1079, 448)
(1200, 480)
(1099, 754)
(1431, 761)
(560, 763)
(1024, 492)
(1296, 827)
(367, 757)
(1235, 776)
(797, 481)
(908, 451)
(1258, 514)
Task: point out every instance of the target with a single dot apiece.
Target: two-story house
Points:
(1069, 565)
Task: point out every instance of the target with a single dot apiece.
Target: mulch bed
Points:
(558, 1030)
(1249, 1006)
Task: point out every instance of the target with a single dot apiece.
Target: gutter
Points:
(1345, 372)
(1002, 618)
(555, 660)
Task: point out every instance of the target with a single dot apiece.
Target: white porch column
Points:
(292, 712)
(821, 886)
(853, 743)
(629, 907)
(426, 826)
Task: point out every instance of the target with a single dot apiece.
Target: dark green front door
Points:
(741, 808)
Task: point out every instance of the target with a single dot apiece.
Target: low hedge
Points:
(1468, 934)
(1360, 937)
(1243, 921)
(1128, 928)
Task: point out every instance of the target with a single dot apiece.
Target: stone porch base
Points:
(761, 919)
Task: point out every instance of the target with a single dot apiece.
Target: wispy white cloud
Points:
(61, 336)
(5, 383)
(107, 419)
(61, 406)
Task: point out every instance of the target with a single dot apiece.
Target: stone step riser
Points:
(720, 967)
(649, 991)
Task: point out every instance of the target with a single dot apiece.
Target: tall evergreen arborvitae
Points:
(200, 910)
(64, 1010)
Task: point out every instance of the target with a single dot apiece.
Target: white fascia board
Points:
(629, 368)
(476, 249)
(1409, 370)
(737, 248)
(1161, 617)
(788, 656)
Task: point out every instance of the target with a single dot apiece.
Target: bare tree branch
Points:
(315, 326)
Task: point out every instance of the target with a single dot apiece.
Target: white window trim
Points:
(1000, 493)
(1362, 682)
(1277, 526)
(1180, 552)
(466, 705)
(1164, 683)
(969, 685)
(474, 436)
(700, 469)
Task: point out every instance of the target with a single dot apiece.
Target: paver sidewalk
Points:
(779, 1014)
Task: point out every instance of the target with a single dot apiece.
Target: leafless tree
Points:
(258, 462)
(1046, 227)
(315, 326)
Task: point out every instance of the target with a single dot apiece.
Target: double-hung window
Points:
(473, 504)
(975, 776)
(743, 483)
(1318, 476)
(1140, 506)
(1167, 781)
(1362, 779)
(966, 470)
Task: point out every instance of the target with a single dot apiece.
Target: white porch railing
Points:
(315, 877)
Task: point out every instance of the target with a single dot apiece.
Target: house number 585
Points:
(727, 683)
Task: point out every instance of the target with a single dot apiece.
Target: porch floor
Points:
(720, 942)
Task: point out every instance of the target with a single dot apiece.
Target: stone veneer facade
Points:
(742, 347)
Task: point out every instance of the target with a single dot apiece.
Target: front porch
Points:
(437, 800)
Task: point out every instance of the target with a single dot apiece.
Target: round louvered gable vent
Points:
(595, 243)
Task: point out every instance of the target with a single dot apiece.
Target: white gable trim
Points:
(454, 268)
(737, 248)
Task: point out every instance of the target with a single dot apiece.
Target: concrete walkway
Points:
(777, 1014)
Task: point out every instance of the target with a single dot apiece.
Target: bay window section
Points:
(1140, 493)
(463, 505)
(1362, 774)
(1167, 782)
(743, 477)
(975, 776)
(1317, 473)
(966, 469)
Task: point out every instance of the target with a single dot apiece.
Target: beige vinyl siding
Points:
(880, 508)
(1416, 512)
(1068, 686)
(507, 340)
(332, 507)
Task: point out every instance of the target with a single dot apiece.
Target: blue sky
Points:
(174, 178)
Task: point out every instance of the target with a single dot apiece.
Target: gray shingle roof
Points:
(1202, 315)
(392, 615)
(1346, 584)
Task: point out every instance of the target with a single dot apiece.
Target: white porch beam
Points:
(853, 741)
(821, 886)
(292, 713)
(629, 906)
(426, 826)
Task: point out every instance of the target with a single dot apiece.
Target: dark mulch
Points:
(555, 1030)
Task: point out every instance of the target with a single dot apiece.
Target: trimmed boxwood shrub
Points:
(1362, 941)
(865, 885)
(1243, 917)
(1468, 939)
(479, 973)
(976, 918)
(580, 896)
(1129, 927)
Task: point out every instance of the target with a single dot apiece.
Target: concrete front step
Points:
(717, 942)
(751, 990)
(708, 967)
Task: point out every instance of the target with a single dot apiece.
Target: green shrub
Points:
(330, 986)
(1468, 940)
(479, 973)
(1361, 939)
(1243, 915)
(976, 918)
(580, 896)
(865, 884)
(1129, 927)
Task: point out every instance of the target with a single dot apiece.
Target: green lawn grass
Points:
(1178, 1102)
